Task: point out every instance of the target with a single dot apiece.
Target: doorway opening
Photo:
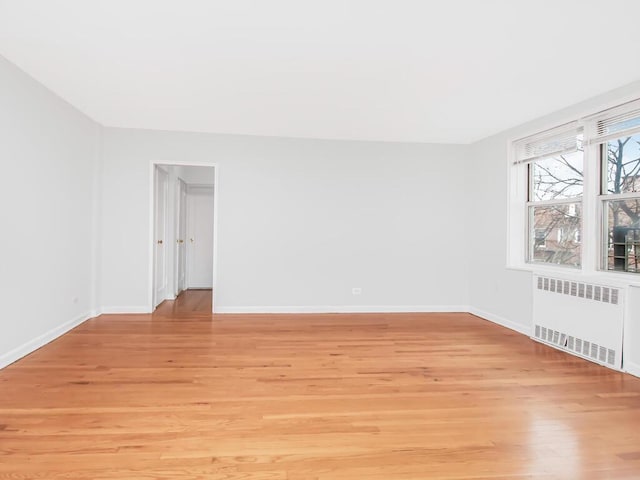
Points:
(183, 232)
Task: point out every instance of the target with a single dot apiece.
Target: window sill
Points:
(617, 279)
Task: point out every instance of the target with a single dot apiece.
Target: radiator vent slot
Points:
(582, 347)
(597, 293)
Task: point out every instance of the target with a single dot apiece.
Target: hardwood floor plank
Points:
(186, 394)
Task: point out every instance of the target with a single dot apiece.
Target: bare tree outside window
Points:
(622, 175)
(555, 225)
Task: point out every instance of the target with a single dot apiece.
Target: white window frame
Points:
(594, 237)
(530, 206)
(599, 140)
(521, 160)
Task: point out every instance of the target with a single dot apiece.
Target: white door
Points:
(161, 196)
(200, 233)
(181, 235)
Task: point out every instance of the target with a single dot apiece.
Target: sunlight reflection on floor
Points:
(555, 448)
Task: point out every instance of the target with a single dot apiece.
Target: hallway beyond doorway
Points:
(183, 246)
(188, 303)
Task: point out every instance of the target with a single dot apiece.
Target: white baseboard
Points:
(41, 340)
(32, 345)
(525, 330)
(135, 309)
(632, 368)
(347, 309)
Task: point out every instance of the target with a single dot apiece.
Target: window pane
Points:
(623, 164)
(556, 178)
(623, 233)
(554, 234)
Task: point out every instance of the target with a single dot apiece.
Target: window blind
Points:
(561, 140)
(622, 121)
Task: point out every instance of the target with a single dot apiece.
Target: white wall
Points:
(497, 292)
(49, 163)
(300, 222)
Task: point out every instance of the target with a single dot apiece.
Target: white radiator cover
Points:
(582, 318)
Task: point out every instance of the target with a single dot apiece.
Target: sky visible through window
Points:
(623, 165)
(559, 177)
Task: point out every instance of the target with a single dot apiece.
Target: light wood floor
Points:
(182, 395)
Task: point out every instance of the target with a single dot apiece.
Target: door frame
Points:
(216, 181)
(165, 214)
(177, 264)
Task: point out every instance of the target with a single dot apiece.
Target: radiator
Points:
(584, 319)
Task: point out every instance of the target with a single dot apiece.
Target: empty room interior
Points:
(320, 240)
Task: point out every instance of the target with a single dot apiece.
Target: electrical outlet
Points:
(356, 291)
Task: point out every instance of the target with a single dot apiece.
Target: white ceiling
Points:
(451, 71)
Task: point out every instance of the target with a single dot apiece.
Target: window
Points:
(617, 138)
(554, 162)
(562, 180)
